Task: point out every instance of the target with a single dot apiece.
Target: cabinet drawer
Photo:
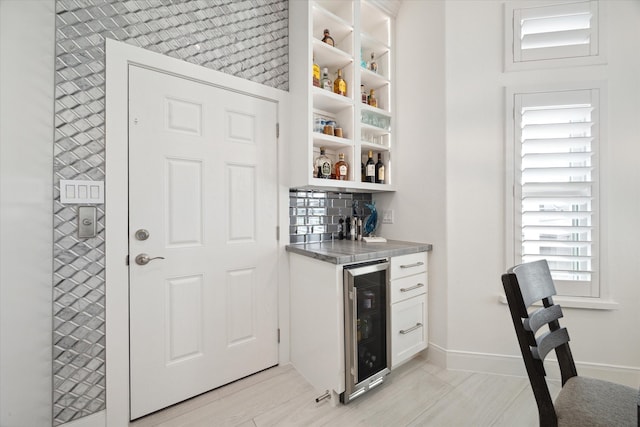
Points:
(407, 265)
(407, 287)
(408, 328)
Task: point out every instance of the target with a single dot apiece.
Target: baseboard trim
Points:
(99, 419)
(502, 364)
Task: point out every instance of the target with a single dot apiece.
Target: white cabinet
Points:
(317, 316)
(358, 29)
(408, 299)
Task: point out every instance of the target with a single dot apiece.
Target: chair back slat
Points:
(549, 341)
(538, 279)
(541, 317)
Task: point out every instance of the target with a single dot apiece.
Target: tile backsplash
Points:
(314, 215)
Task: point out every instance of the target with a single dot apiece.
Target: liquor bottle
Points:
(362, 172)
(325, 82)
(370, 169)
(373, 65)
(323, 165)
(363, 95)
(380, 170)
(327, 38)
(340, 85)
(342, 168)
(316, 73)
(372, 98)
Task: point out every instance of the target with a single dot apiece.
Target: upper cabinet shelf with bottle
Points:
(341, 92)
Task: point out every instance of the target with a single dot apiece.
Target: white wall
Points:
(419, 150)
(451, 181)
(27, 34)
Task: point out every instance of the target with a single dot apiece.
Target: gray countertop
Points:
(347, 251)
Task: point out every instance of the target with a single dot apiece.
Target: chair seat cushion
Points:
(591, 402)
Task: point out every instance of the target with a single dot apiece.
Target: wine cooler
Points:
(366, 329)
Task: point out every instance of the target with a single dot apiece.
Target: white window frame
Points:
(598, 291)
(553, 57)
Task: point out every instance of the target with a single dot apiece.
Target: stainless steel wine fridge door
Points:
(366, 327)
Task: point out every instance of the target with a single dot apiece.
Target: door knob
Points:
(144, 259)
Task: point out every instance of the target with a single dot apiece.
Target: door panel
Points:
(202, 181)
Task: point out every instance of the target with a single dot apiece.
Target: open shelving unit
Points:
(358, 29)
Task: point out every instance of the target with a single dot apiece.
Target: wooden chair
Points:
(582, 401)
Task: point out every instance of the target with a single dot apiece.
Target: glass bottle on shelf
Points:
(372, 98)
(380, 170)
(370, 169)
(325, 82)
(363, 95)
(373, 65)
(327, 38)
(323, 165)
(340, 85)
(316, 73)
(342, 168)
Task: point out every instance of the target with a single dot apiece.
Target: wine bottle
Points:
(380, 170)
(340, 85)
(370, 169)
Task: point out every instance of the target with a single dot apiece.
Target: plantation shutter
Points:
(557, 31)
(556, 187)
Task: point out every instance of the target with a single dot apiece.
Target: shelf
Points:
(340, 30)
(329, 101)
(372, 80)
(376, 110)
(329, 56)
(366, 146)
(330, 141)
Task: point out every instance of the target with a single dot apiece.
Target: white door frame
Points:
(119, 56)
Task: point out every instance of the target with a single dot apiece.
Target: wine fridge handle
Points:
(417, 264)
(411, 329)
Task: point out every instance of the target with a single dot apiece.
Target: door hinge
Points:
(277, 130)
(277, 233)
(126, 260)
(278, 334)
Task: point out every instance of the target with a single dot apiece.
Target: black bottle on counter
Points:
(347, 228)
(341, 229)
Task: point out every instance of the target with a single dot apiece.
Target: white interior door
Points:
(203, 187)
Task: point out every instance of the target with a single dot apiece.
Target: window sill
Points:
(576, 302)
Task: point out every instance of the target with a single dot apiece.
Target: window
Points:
(552, 35)
(553, 201)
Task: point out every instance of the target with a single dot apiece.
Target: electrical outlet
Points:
(387, 216)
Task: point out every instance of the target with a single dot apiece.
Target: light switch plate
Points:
(81, 192)
(387, 216)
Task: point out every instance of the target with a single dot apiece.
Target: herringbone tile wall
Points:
(245, 38)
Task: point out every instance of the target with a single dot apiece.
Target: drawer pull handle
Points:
(419, 285)
(411, 329)
(417, 264)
